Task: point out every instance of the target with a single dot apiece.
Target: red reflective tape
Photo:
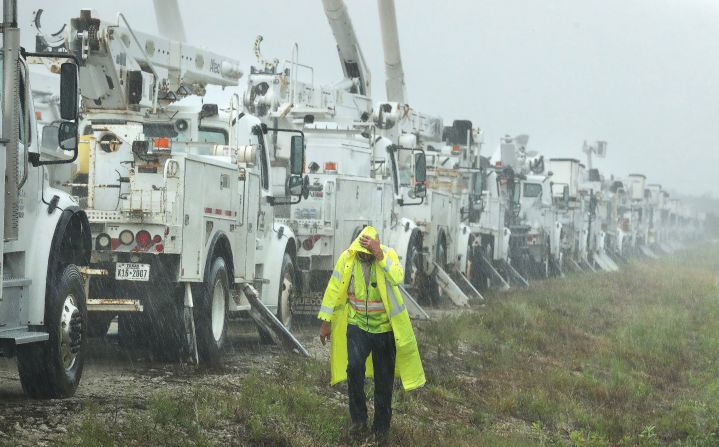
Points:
(218, 211)
(208, 210)
(228, 213)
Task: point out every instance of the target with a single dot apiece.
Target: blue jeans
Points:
(360, 344)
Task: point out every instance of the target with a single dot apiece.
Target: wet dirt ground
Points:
(114, 374)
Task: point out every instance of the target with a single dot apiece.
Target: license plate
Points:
(132, 272)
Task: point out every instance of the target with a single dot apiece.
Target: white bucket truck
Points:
(46, 237)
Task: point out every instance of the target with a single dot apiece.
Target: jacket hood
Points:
(366, 231)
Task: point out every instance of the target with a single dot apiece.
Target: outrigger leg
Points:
(268, 321)
(190, 324)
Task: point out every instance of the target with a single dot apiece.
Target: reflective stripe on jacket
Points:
(366, 309)
(335, 308)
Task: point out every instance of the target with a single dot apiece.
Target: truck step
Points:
(265, 319)
(413, 308)
(21, 336)
(16, 282)
(449, 287)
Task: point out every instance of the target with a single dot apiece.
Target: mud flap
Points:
(266, 320)
(449, 287)
(413, 308)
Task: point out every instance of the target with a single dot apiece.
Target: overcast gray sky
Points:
(641, 74)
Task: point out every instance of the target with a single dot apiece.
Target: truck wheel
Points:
(211, 316)
(413, 260)
(52, 369)
(442, 252)
(287, 291)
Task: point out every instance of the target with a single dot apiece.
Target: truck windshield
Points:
(532, 190)
(169, 130)
(211, 135)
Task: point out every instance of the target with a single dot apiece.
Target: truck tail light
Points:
(456, 149)
(162, 143)
(126, 237)
(330, 166)
(143, 238)
(103, 241)
(309, 243)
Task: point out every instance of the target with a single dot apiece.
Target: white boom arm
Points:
(351, 57)
(392, 55)
(122, 68)
(169, 20)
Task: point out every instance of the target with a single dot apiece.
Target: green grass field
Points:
(628, 358)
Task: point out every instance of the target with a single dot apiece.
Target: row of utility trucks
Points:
(147, 205)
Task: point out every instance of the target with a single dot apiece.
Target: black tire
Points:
(52, 369)
(287, 291)
(413, 261)
(98, 323)
(284, 303)
(210, 327)
(442, 251)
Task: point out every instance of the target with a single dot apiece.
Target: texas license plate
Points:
(132, 272)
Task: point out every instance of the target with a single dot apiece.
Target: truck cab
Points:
(46, 235)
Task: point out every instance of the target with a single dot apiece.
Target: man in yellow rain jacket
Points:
(363, 313)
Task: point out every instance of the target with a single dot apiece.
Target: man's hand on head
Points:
(373, 246)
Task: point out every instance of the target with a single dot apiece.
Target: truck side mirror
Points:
(420, 167)
(420, 175)
(68, 92)
(295, 185)
(50, 137)
(297, 155)
(67, 136)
